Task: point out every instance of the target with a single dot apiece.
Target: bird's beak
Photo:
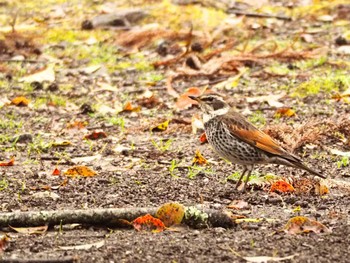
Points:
(194, 98)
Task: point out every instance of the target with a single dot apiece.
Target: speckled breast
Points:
(229, 146)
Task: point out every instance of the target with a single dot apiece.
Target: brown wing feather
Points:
(247, 132)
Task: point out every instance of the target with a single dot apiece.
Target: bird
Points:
(237, 140)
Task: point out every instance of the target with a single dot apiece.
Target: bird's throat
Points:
(207, 116)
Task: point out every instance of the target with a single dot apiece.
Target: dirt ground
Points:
(139, 168)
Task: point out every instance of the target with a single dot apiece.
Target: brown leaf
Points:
(76, 125)
(4, 239)
(80, 171)
(56, 172)
(282, 187)
(199, 159)
(9, 163)
(95, 135)
(301, 224)
(148, 223)
(20, 101)
(203, 138)
(184, 102)
(129, 107)
(30, 230)
(46, 74)
(237, 204)
(285, 112)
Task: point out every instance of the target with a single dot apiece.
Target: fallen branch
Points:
(101, 216)
(67, 259)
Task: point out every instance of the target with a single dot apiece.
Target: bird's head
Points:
(212, 105)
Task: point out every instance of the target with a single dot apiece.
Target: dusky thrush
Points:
(236, 139)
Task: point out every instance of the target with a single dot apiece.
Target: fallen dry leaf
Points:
(285, 112)
(47, 74)
(4, 239)
(199, 159)
(20, 101)
(161, 127)
(272, 100)
(61, 144)
(84, 246)
(237, 204)
(282, 187)
(96, 135)
(30, 230)
(80, 171)
(56, 172)
(148, 223)
(203, 138)
(263, 259)
(46, 195)
(301, 224)
(76, 125)
(9, 163)
(129, 107)
(321, 188)
(184, 102)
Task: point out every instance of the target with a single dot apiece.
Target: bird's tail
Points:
(293, 161)
(311, 171)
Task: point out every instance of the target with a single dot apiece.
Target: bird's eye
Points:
(209, 99)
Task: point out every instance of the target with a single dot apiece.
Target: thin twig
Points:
(251, 14)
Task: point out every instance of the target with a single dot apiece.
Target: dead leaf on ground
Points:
(161, 127)
(47, 74)
(304, 185)
(171, 214)
(344, 96)
(139, 38)
(56, 172)
(30, 230)
(199, 159)
(184, 102)
(80, 171)
(95, 245)
(129, 107)
(4, 239)
(272, 100)
(9, 163)
(285, 112)
(46, 195)
(76, 125)
(237, 204)
(61, 144)
(263, 259)
(20, 101)
(301, 224)
(148, 223)
(282, 187)
(203, 138)
(321, 188)
(95, 135)
(148, 100)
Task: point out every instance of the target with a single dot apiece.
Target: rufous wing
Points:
(247, 132)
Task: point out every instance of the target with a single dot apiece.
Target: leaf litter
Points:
(167, 61)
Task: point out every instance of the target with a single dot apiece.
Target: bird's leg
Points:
(250, 169)
(240, 178)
